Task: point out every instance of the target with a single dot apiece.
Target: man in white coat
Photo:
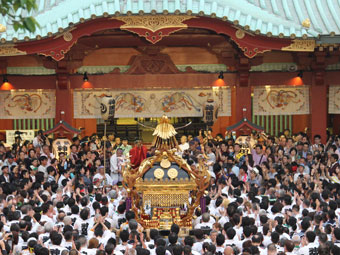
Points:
(116, 162)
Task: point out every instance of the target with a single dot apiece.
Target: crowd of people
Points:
(269, 195)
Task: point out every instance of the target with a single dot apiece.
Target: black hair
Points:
(124, 236)
(84, 214)
(160, 250)
(275, 237)
(177, 250)
(154, 233)
(68, 235)
(336, 233)
(220, 239)
(247, 231)
(174, 228)
(56, 238)
(310, 236)
(109, 248)
(98, 231)
(160, 242)
(231, 233)
(75, 209)
(129, 215)
(104, 210)
(173, 237)
(188, 240)
(199, 234)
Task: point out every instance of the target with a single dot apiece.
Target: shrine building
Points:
(275, 63)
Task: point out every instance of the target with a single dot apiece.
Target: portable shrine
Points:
(165, 189)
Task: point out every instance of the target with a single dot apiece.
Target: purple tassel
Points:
(128, 203)
(203, 204)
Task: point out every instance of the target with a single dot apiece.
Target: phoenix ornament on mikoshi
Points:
(164, 134)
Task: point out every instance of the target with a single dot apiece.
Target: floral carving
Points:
(154, 27)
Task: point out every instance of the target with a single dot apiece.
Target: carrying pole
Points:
(105, 146)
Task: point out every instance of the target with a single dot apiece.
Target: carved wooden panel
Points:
(152, 64)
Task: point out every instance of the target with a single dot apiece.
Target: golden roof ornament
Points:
(164, 134)
(164, 129)
(306, 23)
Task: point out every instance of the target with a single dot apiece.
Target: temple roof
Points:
(61, 128)
(282, 18)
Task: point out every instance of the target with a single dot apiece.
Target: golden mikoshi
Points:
(165, 189)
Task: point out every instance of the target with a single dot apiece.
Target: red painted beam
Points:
(57, 46)
(249, 43)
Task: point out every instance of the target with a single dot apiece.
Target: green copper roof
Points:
(274, 17)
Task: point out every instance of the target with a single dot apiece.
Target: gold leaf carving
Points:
(10, 50)
(159, 173)
(172, 173)
(68, 36)
(154, 23)
(240, 34)
(301, 45)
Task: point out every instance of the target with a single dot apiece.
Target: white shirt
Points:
(220, 249)
(223, 220)
(62, 177)
(197, 246)
(122, 247)
(211, 161)
(74, 218)
(103, 239)
(46, 218)
(83, 226)
(235, 242)
(116, 218)
(184, 146)
(56, 249)
(43, 169)
(36, 142)
(6, 178)
(103, 182)
(195, 252)
(204, 225)
(88, 251)
(115, 164)
(199, 218)
(44, 237)
(309, 249)
(6, 163)
(68, 245)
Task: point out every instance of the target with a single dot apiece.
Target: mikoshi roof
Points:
(281, 18)
(63, 127)
(245, 122)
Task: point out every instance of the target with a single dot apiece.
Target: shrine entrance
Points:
(130, 129)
